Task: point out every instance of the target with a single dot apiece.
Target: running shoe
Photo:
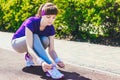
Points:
(28, 59)
(54, 73)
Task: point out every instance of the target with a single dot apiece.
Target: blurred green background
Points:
(96, 21)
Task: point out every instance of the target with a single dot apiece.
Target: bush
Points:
(93, 13)
(77, 19)
(14, 12)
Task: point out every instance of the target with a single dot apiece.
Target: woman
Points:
(34, 36)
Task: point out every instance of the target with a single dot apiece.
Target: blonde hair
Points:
(47, 9)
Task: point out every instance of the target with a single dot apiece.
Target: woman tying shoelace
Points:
(36, 34)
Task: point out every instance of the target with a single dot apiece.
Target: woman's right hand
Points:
(46, 66)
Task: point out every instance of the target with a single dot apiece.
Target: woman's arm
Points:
(51, 49)
(53, 53)
(29, 42)
(36, 59)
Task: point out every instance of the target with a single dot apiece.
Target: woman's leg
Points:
(45, 41)
(19, 44)
(39, 49)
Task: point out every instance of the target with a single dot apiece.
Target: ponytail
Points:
(39, 10)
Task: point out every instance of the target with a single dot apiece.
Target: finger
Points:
(44, 69)
(61, 65)
(49, 67)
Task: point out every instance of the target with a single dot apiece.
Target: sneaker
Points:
(28, 59)
(54, 73)
(47, 74)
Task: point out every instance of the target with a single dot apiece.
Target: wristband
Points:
(57, 60)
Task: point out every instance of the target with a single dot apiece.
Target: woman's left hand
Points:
(61, 64)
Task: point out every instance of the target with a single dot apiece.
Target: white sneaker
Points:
(47, 74)
(28, 59)
(54, 73)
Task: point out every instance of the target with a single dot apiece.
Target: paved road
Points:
(98, 60)
(13, 68)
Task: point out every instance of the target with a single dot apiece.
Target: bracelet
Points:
(57, 60)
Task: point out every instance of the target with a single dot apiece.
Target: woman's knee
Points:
(19, 45)
(45, 41)
(18, 49)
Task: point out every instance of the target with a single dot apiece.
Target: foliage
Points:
(85, 18)
(14, 12)
(81, 19)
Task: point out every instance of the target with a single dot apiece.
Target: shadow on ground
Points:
(37, 70)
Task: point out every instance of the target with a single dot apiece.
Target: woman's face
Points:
(48, 19)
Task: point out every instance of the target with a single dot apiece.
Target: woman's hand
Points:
(61, 64)
(46, 66)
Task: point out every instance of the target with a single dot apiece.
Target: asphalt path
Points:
(13, 68)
